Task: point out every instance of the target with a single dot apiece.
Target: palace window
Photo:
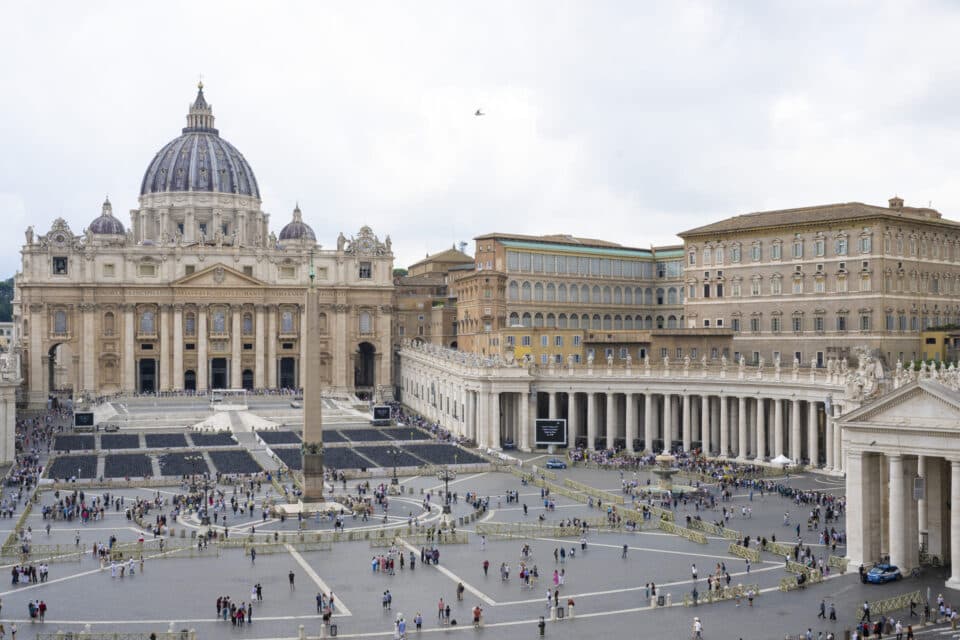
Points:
(818, 324)
(840, 246)
(797, 323)
(247, 324)
(147, 322)
(366, 270)
(190, 324)
(60, 322)
(219, 321)
(108, 323)
(735, 253)
(365, 323)
(59, 265)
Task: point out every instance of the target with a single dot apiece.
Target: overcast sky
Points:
(627, 121)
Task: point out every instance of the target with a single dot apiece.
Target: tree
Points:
(399, 273)
(6, 300)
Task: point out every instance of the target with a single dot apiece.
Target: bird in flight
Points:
(479, 113)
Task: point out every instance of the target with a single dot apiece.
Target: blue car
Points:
(555, 463)
(883, 573)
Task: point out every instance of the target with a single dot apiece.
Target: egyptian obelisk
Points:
(312, 418)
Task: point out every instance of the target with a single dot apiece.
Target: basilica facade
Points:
(198, 293)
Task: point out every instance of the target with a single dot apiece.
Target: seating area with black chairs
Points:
(381, 455)
(165, 440)
(64, 467)
(183, 464)
(332, 436)
(443, 454)
(127, 465)
(73, 443)
(405, 433)
(234, 461)
(291, 457)
(279, 437)
(119, 441)
(221, 439)
(363, 435)
(345, 458)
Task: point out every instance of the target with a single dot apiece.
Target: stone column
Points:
(911, 524)
(483, 419)
(896, 524)
(922, 502)
(258, 377)
(165, 348)
(828, 440)
(129, 363)
(630, 420)
(88, 341)
(761, 429)
(495, 420)
(203, 377)
(236, 312)
(705, 425)
(591, 420)
(724, 428)
(856, 515)
(795, 448)
(38, 373)
(934, 520)
(687, 434)
(954, 581)
(303, 347)
(777, 427)
(272, 346)
(526, 442)
(813, 440)
(611, 430)
(667, 422)
(471, 415)
(837, 440)
(742, 443)
(552, 405)
(573, 424)
(648, 421)
(177, 374)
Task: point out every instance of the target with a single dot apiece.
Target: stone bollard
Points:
(570, 611)
(669, 599)
(301, 633)
(653, 602)
(553, 613)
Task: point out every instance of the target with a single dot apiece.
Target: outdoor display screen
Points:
(381, 413)
(551, 432)
(83, 419)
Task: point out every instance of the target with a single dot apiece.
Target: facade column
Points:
(494, 420)
(724, 428)
(742, 431)
(258, 377)
(687, 435)
(922, 502)
(954, 581)
(761, 429)
(667, 422)
(202, 362)
(573, 420)
(648, 422)
(88, 340)
(934, 516)
(271, 347)
(165, 345)
(236, 312)
(552, 405)
(777, 427)
(705, 425)
(525, 441)
(838, 456)
(911, 525)
(483, 418)
(591, 420)
(895, 522)
(795, 448)
(630, 420)
(813, 435)
(177, 374)
(129, 363)
(828, 440)
(611, 432)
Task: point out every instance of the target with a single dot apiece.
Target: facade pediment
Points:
(925, 402)
(218, 275)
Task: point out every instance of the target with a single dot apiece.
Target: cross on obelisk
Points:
(312, 404)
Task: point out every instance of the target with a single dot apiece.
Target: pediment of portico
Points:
(925, 403)
(218, 275)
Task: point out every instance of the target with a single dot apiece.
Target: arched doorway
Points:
(247, 379)
(218, 373)
(453, 345)
(288, 373)
(364, 372)
(147, 375)
(190, 380)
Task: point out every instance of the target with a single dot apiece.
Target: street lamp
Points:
(395, 452)
(445, 475)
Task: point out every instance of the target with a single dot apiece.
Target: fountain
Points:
(664, 470)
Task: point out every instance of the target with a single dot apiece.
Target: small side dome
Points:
(297, 229)
(106, 224)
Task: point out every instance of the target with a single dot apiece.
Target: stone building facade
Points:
(198, 293)
(818, 283)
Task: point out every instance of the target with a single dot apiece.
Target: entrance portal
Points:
(248, 379)
(147, 382)
(364, 374)
(218, 373)
(288, 373)
(190, 380)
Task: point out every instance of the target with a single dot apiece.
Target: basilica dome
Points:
(200, 160)
(297, 229)
(106, 224)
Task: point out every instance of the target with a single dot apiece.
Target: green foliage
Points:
(6, 300)
(399, 273)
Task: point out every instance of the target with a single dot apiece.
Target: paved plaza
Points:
(179, 585)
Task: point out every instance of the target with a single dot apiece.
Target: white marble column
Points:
(667, 422)
(933, 479)
(258, 365)
(88, 341)
(742, 431)
(177, 382)
(236, 312)
(552, 405)
(165, 348)
(922, 502)
(271, 346)
(483, 418)
(761, 429)
(129, 349)
(687, 435)
(611, 430)
(648, 421)
(202, 362)
(591, 420)
(38, 372)
(777, 427)
(813, 442)
(954, 581)
(630, 419)
(828, 440)
(837, 440)
(724, 427)
(795, 448)
(495, 420)
(896, 524)
(705, 443)
(526, 442)
(573, 419)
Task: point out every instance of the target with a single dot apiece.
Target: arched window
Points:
(659, 322)
(108, 323)
(286, 322)
(672, 295)
(596, 323)
(607, 322)
(514, 319)
(574, 321)
(60, 322)
(607, 295)
(525, 291)
(366, 325)
(538, 320)
(220, 321)
(527, 320)
(551, 293)
(514, 291)
(661, 296)
(648, 322)
(551, 321)
(247, 324)
(574, 293)
(562, 321)
(562, 293)
(617, 322)
(595, 294)
(648, 296)
(147, 324)
(585, 294)
(672, 322)
(538, 292)
(618, 295)
(190, 324)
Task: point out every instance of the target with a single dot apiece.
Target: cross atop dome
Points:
(200, 116)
